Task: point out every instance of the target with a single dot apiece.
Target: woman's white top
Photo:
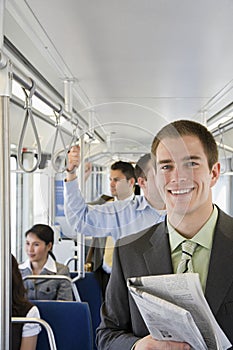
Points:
(31, 329)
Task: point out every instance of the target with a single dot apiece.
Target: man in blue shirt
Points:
(116, 219)
(99, 256)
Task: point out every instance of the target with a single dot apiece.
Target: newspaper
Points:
(174, 308)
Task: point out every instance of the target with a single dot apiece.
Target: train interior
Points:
(107, 77)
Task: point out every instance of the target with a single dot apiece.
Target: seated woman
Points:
(41, 261)
(24, 336)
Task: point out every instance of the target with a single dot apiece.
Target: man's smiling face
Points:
(183, 174)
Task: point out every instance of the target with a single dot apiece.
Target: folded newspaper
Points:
(174, 308)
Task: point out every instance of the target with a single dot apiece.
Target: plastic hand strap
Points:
(55, 154)
(29, 115)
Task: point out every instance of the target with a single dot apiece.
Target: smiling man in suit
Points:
(187, 167)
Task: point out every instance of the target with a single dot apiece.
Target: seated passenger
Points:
(41, 261)
(24, 336)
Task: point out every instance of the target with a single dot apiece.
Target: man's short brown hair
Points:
(182, 128)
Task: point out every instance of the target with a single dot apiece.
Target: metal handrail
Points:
(42, 322)
(29, 115)
(56, 277)
(80, 275)
(68, 261)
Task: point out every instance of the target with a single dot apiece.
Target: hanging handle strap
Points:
(58, 132)
(75, 138)
(29, 115)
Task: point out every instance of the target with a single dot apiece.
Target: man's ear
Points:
(132, 181)
(215, 173)
(141, 182)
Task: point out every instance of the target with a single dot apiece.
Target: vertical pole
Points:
(5, 249)
(2, 9)
(5, 262)
(68, 95)
(80, 237)
(91, 122)
(5, 224)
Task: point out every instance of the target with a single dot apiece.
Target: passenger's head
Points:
(142, 166)
(18, 290)
(145, 175)
(181, 128)
(141, 170)
(187, 167)
(39, 242)
(122, 179)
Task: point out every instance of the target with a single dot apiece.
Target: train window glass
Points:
(40, 198)
(29, 202)
(17, 90)
(98, 183)
(36, 102)
(223, 192)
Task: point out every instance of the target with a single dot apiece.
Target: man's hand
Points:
(149, 343)
(74, 160)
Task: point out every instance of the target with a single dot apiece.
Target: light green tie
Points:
(185, 264)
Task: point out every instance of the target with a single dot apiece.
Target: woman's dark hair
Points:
(44, 233)
(18, 290)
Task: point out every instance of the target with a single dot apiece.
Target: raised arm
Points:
(94, 220)
(117, 219)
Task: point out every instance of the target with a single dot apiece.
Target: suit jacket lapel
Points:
(158, 256)
(220, 275)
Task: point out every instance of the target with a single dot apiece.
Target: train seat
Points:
(70, 322)
(89, 291)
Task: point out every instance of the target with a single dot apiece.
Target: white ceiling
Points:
(136, 63)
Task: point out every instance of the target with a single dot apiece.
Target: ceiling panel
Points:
(136, 64)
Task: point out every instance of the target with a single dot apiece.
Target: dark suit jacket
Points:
(148, 253)
(96, 251)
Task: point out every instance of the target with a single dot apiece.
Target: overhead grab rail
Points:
(56, 277)
(51, 338)
(43, 93)
(58, 132)
(29, 116)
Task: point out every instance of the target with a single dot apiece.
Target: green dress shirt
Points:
(201, 256)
